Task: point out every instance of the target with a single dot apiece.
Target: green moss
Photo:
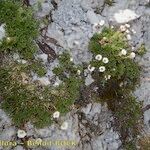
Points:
(23, 99)
(130, 146)
(21, 28)
(67, 72)
(20, 100)
(69, 93)
(124, 77)
(66, 67)
(142, 50)
(26, 107)
(109, 2)
(128, 112)
(144, 142)
(27, 101)
(37, 67)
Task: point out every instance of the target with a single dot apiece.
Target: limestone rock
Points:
(123, 16)
(92, 17)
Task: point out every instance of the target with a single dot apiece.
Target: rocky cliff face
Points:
(72, 23)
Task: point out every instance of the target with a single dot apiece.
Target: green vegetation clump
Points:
(109, 2)
(21, 99)
(116, 75)
(144, 142)
(142, 50)
(37, 67)
(25, 100)
(21, 28)
(67, 72)
(110, 44)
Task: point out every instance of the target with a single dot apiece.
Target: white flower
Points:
(132, 55)
(102, 69)
(8, 39)
(123, 52)
(64, 126)
(132, 47)
(107, 77)
(127, 31)
(90, 68)
(129, 37)
(104, 38)
(122, 28)
(121, 84)
(105, 60)
(21, 133)
(102, 22)
(98, 57)
(22, 61)
(71, 59)
(127, 25)
(41, 97)
(112, 27)
(133, 31)
(96, 26)
(78, 72)
(56, 84)
(56, 114)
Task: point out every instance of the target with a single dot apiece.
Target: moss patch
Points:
(67, 72)
(142, 50)
(25, 100)
(21, 99)
(144, 142)
(109, 2)
(21, 28)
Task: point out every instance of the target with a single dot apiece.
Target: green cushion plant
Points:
(21, 28)
(116, 75)
(25, 100)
